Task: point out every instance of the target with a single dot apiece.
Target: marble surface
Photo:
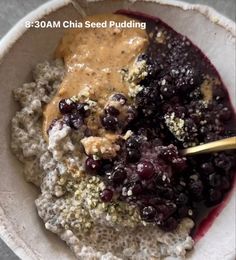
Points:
(12, 10)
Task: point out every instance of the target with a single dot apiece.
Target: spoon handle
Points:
(216, 146)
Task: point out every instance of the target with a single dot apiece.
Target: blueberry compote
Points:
(182, 103)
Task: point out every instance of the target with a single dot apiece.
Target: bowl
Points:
(21, 49)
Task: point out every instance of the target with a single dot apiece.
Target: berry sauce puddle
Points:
(207, 210)
(206, 221)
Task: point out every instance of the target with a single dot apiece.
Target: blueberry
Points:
(73, 120)
(145, 170)
(67, 119)
(120, 98)
(131, 114)
(168, 194)
(225, 183)
(168, 91)
(106, 167)
(183, 212)
(147, 100)
(83, 109)
(167, 108)
(179, 164)
(223, 162)
(150, 186)
(197, 119)
(109, 122)
(196, 189)
(168, 153)
(132, 142)
(166, 210)
(182, 199)
(148, 213)
(118, 175)
(106, 195)
(133, 155)
(189, 123)
(143, 56)
(169, 225)
(136, 188)
(204, 130)
(92, 166)
(215, 180)
(112, 111)
(66, 106)
(225, 114)
(76, 122)
(188, 77)
(207, 168)
(179, 111)
(219, 93)
(215, 197)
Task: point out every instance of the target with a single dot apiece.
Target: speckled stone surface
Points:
(12, 10)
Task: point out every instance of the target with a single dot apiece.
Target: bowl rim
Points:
(7, 234)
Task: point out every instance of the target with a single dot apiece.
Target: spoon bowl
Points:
(216, 146)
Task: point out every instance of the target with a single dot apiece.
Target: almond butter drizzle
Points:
(94, 58)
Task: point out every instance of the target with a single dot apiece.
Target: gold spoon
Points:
(216, 146)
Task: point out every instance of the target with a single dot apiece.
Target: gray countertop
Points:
(12, 10)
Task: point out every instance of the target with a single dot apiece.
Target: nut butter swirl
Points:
(94, 58)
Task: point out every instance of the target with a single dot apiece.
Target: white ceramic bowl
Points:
(21, 49)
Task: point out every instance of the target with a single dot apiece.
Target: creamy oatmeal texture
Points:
(69, 202)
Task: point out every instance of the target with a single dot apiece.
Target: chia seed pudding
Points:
(99, 132)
